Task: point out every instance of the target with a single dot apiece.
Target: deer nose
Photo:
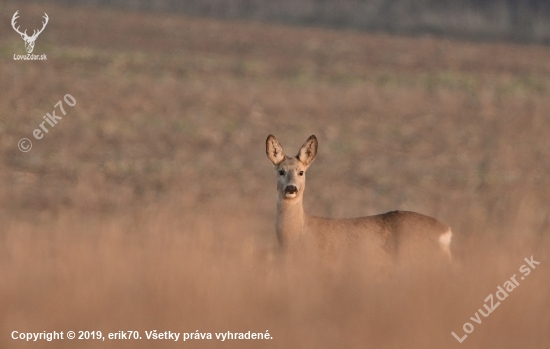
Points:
(290, 189)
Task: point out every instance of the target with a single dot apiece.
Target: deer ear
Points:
(274, 150)
(308, 151)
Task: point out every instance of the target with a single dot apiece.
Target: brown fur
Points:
(397, 233)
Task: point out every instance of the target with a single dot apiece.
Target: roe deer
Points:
(392, 232)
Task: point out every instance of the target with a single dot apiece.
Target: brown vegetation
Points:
(151, 204)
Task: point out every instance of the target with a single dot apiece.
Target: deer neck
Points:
(290, 220)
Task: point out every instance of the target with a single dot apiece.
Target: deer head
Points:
(29, 40)
(291, 180)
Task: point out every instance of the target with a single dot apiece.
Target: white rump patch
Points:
(445, 242)
(445, 239)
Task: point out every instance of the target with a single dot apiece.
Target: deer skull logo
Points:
(29, 40)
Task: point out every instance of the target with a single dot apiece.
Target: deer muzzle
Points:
(290, 191)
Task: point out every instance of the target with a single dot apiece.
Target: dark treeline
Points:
(521, 20)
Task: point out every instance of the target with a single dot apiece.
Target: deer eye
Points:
(281, 172)
(301, 173)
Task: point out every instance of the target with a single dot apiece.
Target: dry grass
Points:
(151, 204)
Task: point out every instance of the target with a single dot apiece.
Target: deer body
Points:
(395, 232)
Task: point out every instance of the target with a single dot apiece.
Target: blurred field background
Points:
(517, 20)
(151, 204)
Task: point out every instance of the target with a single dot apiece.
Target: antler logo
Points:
(29, 40)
